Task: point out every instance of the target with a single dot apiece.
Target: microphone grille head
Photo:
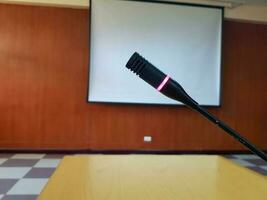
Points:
(145, 70)
(136, 63)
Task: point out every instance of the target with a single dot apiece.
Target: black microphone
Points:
(157, 79)
(167, 86)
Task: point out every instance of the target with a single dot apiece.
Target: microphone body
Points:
(170, 88)
(160, 81)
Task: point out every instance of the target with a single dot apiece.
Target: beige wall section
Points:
(248, 12)
(84, 4)
(257, 13)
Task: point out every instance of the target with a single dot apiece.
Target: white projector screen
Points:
(183, 41)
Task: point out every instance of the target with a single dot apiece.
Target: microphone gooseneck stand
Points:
(232, 132)
(170, 88)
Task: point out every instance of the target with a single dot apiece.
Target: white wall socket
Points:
(147, 138)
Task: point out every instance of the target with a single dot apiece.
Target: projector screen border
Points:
(157, 104)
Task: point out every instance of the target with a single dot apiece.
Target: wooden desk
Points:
(153, 177)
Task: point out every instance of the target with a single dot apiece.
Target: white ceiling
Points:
(225, 3)
(250, 10)
(258, 2)
(246, 10)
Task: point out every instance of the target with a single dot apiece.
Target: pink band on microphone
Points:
(163, 83)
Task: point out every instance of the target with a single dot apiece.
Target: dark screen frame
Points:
(159, 2)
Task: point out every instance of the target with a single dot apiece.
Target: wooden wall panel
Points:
(43, 75)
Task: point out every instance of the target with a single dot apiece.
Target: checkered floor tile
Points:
(250, 161)
(23, 176)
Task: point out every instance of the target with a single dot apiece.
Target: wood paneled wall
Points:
(43, 90)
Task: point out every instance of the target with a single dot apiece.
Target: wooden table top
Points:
(153, 177)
